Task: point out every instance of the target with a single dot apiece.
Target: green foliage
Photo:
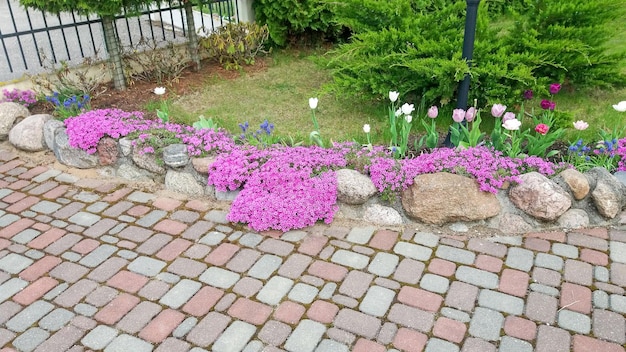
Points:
(571, 37)
(100, 7)
(236, 44)
(287, 19)
(207, 123)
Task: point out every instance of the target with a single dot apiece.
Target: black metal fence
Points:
(31, 41)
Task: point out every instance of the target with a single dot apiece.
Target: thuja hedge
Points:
(415, 46)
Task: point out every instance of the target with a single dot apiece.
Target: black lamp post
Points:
(468, 52)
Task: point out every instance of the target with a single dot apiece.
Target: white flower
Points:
(512, 124)
(407, 108)
(366, 128)
(313, 103)
(621, 106)
(581, 125)
(159, 90)
(393, 96)
(408, 118)
(398, 112)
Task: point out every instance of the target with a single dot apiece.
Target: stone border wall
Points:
(568, 200)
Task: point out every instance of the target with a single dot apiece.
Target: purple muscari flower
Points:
(528, 94)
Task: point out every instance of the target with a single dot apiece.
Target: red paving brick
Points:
(35, 290)
(40, 268)
(222, 254)
(312, 245)
(16, 227)
(322, 311)
(448, 329)
(489, 263)
(441, 267)
(576, 298)
(548, 236)
(328, 271)
(410, 340)
(162, 325)
(37, 170)
(384, 239)
(289, 312)
(594, 257)
(116, 309)
(514, 282)
(85, 246)
(171, 227)
(202, 302)
(167, 204)
(173, 249)
(363, 345)
(418, 298)
(250, 311)
(520, 328)
(127, 281)
(589, 344)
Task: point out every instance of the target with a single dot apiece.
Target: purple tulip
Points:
(458, 115)
(555, 88)
(528, 94)
(508, 116)
(548, 104)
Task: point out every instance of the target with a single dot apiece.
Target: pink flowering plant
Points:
(27, 97)
(466, 134)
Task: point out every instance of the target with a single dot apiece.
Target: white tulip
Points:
(407, 108)
(512, 124)
(621, 106)
(393, 96)
(366, 128)
(408, 118)
(159, 90)
(313, 103)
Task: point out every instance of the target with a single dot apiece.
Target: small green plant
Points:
(261, 137)
(235, 44)
(315, 137)
(205, 123)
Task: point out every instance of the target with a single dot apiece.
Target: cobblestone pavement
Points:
(90, 265)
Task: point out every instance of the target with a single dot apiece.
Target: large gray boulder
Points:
(574, 219)
(540, 197)
(50, 130)
(353, 187)
(10, 113)
(608, 194)
(183, 182)
(70, 156)
(28, 133)
(443, 197)
(175, 155)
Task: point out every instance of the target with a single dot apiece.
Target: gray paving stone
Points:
(180, 293)
(617, 251)
(151, 218)
(414, 251)
(249, 239)
(14, 263)
(146, 266)
(45, 207)
(56, 319)
(85, 309)
(126, 343)
(110, 239)
(601, 273)
(511, 344)
(361, 235)
(66, 178)
(303, 293)
(141, 197)
(99, 337)
(486, 324)
(426, 238)
(126, 218)
(501, 302)
(28, 316)
(98, 256)
(8, 219)
(377, 301)
(565, 250)
(126, 254)
(97, 207)
(183, 328)
(84, 218)
(618, 303)
(305, 336)
(328, 345)
(253, 346)
(519, 258)
(549, 261)
(510, 240)
(600, 299)
(456, 255)
(328, 290)
(609, 326)
(478, 277)
(213, 238)
(548, 290)
(438, 345)
(265, 266)
(87, 197)
(574, 321)
(434, 283)
(383, 264)
(25, 236)
(30, 339)
(52, 294)
(28, 214)
(59, 223)
(218, 216)
(46, 175)
(219, 277)
(168, 277)
(350, 259)
(34, 254)
(455, 314)
(235, 337)
(71, 256)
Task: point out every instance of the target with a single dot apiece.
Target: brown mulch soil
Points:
(140, 93)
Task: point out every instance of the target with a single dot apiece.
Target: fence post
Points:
(246, 12)
(113, 49)
(192, 37)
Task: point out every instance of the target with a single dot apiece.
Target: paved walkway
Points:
(90, 265)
